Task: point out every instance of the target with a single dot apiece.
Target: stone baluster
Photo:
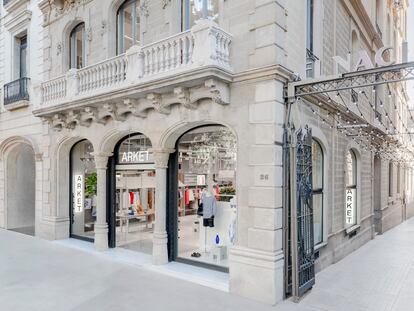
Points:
(160, 251)
(135, 69)
(72, 83)
(101, 225)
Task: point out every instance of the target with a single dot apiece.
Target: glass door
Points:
(135, 209)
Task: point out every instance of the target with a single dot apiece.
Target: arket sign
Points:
(135, 157)
(350, 206)
(78, 193)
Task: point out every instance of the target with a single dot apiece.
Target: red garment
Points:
(186, 197)
(131, 198)
(217, 192)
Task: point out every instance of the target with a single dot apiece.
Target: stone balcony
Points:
(183, 68)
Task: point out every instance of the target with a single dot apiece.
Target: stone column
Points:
(101, 226)
(160, 239)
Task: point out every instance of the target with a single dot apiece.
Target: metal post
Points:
(293, 216)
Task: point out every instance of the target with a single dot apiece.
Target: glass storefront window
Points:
(207, 201)
(128, 25)
(194, 10)
(83, 174)
(317, 193)
(135, 191)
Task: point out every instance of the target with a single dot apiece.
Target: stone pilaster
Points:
(160, 239)
(101, 226)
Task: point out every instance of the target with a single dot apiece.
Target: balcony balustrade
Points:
(205, 45)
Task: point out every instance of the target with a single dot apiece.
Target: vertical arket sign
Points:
(350, 206)
(78, 193)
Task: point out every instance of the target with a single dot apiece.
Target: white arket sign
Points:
(78, 193)
(350, 206)
(363, 61)
(135, 157)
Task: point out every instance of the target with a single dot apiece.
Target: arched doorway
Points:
(202, 197)
(131, 198)
(20, 189)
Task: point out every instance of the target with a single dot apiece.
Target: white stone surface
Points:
(41, 275)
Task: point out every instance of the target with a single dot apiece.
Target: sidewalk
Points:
(40, 275)
(377, 277)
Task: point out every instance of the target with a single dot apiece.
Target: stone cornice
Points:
(138, 105)
(15, 22)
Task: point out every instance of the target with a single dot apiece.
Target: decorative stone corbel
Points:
(107, 112)
(72, 119)
(220, 92)
(157, 103)
(183, 96)
(58, 122)
(88, 115)
(133, 105)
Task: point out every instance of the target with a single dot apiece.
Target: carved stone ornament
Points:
(103, 27)
(144, 8)
(165, 3)
(62, 6)
(59, 48)
(89, 34)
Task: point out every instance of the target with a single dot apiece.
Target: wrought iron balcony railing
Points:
(16, 91)
(310, 64)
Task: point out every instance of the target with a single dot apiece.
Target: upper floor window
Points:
(77, 46)
(309, 25)
(128, 25)
(22, 57)
(193, 10)
(390, 179)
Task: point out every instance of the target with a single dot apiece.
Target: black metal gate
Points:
(305, 241)
(300, 271)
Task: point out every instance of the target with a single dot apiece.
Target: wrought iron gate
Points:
(300, 242)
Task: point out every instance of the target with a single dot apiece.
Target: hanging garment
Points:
(186, 197)
(131, 198)
(209, 222)
(209, 206)
(217, 192)
(190, 195)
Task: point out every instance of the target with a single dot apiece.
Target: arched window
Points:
(128, 25)
(83, 186)
(317, 191)
(351, 189)
(77, 46)
(193, 10)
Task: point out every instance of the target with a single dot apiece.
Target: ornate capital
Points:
(101, 159)
(161, 157)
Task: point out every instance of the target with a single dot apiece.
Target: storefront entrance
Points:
(131, 194)
(202, 197)
(134, 209)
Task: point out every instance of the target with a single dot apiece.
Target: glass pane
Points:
(194, 10)
(23, 57)
(350, 168)
(135, 150)
(317, 165)
(317, 217)
(83, 190)
(135, 209)
(207, 176)
(79, 47)
(128, 37)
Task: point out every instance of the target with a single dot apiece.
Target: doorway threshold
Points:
(199, 275)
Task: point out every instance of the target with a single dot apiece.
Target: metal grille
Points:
(16, 91)
(305, 240)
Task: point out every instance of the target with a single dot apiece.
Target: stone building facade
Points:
(168, 101)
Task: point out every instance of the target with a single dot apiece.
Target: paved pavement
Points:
(40, 275)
